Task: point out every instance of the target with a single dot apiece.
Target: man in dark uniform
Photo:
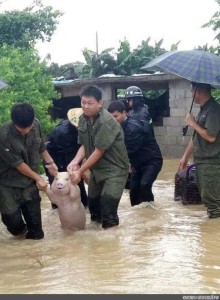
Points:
(21, 142)
(143, 152)
(102, 144)
(205, 147)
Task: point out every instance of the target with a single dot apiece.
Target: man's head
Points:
(201, 91)
(118, 111)
(91, 100)
(22, 115)
(134, 96)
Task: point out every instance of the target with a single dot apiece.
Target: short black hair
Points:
(125, 102)
(22, 115)
(116, 105)
(205, 87)
(91, 91)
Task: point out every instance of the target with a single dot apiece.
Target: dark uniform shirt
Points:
(208, 118)
(62, 144)
(141, 113)
(105, 134)
(140, 142)
(16, 149)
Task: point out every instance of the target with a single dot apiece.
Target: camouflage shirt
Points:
(16, 149)
(208, 118)
(106, 134)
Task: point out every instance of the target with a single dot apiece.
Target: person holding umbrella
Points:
(203, 70)
(205, 147)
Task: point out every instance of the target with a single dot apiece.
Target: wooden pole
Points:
(97, 43)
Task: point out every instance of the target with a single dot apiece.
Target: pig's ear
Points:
(56, 173)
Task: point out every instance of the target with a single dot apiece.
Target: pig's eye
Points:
(67, 179)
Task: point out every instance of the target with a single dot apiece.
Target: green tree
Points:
(124, 61)
(22, 70)
(214, 22)
(26, 27)
(97, 64)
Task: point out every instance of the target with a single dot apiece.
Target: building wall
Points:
(169, 136)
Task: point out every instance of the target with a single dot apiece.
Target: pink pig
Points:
(66, 196)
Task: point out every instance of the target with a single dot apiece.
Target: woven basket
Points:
(186, 188)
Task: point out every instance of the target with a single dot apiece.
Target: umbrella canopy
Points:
(2, 84)
(195, 65)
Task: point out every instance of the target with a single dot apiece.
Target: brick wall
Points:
(169, 136)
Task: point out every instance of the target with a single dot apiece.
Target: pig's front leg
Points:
(50, 194)
(74, 192)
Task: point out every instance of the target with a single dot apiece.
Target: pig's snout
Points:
(60, 185)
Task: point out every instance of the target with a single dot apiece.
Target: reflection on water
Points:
(174, 249)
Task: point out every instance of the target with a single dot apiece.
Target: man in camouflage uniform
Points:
(21, 143)
(205, 146)
(102, 144)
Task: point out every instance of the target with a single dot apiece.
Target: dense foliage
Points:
(25, 74)
(20, 65)
(26, 27)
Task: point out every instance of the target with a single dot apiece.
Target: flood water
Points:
(172, 250)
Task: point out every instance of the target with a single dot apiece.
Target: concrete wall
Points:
(169, 136)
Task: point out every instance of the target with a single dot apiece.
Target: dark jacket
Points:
(62, 144)
(141, 145)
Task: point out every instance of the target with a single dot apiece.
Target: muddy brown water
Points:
(171, 250)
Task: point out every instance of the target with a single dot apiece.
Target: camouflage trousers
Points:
(104, 197)
(208, 179)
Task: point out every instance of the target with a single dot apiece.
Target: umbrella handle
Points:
(185, 129)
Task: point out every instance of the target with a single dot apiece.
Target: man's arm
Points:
(24, 169)
(92, 159)
(190, 120)
(49, 163)
(188, 152)
(74, 164)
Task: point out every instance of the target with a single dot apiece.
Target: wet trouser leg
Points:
(150, 173)
(14, 222)
(84, 197)
(208, 180)
(94, 196)
(32, 214)
(104, 199)
(141, 183)
(11, 214)
(135, 187)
